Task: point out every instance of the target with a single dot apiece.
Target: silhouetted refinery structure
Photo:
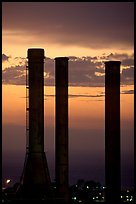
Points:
(35, 182)
(61, 153)
(112, 131)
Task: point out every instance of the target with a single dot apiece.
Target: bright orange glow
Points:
(86, 108)
(13, 104)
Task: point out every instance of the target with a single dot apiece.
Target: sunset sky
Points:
(89, 33)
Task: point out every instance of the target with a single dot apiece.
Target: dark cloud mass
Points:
(128, 75)
(14, 75)
(128, 92)
(4, 57)
(88, 24)
(83, 71)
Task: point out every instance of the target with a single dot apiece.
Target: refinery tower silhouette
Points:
(35, 182)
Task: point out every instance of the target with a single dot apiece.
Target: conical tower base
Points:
(35, 180)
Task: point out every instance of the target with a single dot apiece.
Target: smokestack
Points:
(61, 76)
(35, 178)
(112, 131)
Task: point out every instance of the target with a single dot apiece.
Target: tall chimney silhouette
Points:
(112, 132)
(35, 178)
(61, 76)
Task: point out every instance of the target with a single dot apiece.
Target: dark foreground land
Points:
(89, 192)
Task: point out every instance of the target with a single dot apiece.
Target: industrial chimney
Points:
(35, 181)
(61, 76)
(112, 131)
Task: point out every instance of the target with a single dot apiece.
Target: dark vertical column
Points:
(61, 72)
(36, 100)
(35, 179)
(112, 131)
(134, 161)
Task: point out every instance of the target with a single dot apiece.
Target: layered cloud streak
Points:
(83, 71)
